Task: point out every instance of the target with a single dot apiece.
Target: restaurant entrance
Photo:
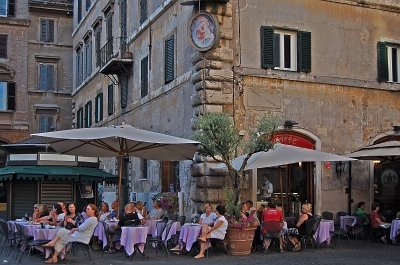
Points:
(292, 184)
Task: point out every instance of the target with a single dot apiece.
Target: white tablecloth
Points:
(188, 235)
(47, 234)
(347, 220)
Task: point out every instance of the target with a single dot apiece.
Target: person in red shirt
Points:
(377, 223)
(272, 214)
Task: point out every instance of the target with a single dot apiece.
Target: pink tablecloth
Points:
(151, 224)
(131, 236)
(101, 234)
(188, 235)
(394, 229)
(47, 234)
(323, 232)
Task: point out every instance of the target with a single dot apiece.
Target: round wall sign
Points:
(204, 31)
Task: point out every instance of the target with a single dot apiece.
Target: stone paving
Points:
(361, 252)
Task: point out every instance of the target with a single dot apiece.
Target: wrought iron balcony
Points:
(114, 57)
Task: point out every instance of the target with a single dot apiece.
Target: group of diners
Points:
(79, 226)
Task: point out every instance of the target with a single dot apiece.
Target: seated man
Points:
(272, 214)
(130, 218)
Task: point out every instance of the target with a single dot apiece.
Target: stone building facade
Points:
(35, 68)
(328, 65)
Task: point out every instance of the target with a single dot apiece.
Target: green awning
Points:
(55, 173)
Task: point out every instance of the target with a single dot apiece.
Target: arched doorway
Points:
(292, 184)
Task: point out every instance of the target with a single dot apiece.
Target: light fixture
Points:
(376, 162)
(300, 164)
(288, 125)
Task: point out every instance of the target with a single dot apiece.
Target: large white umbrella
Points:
(383, 151)
(282, 154)
(119, 141)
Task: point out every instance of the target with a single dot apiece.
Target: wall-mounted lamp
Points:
(288, 125)
(396, 128)
(300, 164)
(340, 167)
(376, 162)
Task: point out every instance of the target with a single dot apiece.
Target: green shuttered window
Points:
(169, 59)
(285, 50)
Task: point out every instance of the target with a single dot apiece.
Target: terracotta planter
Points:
(240, 240)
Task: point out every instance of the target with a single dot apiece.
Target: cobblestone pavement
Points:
(361, 252)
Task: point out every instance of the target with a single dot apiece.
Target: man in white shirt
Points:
(267, 188)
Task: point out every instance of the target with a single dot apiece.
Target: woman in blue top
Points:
(208, 217)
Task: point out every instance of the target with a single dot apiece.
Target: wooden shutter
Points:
(88, 114)
(267, 47)
(101, 107)
(110, 105)
(143, 10)
(124, 90)
(98, 112)
(79, 10)
(11, 8)
(97, 47)
(304, 51)
(50, 77)
(11, 96)
(383, 72)
(43, 30)
(87, 5)
(144, 85)
(55, 191)
(3, 46)
(50, 30)
(169, 59)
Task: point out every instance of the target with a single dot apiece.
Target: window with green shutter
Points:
(143, 10)
(144, 77)
(46, 30)
(79, 118)
(88, 3)
(98, 112)
(3, 46)
(124, 90)
(46, 77)
(88, 114)
(388, 62)
(110, 102)
(97, 45)
(79, 16)
(7, 8)
(78, 66)
(7, 96)
(88, 57)
(285, 49)
(45, 123)
(169, 64)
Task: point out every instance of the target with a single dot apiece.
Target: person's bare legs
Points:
(52, 242)
(203, 244)
(54, 258)
(204, 232)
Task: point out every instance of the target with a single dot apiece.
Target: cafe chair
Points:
(74, 246)
(6, 236)
(327, 215)
(311, 228)
(28, 244)
(110, 239)
(215, 242)
(272, 230)
(343, 231)
(157, 240)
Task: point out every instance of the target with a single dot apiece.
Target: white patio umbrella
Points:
(119, 141)
(384, 151)
(282, 154)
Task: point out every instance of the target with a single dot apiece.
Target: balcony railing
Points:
(114, 54)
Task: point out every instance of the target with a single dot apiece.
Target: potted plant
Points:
(168, 201)
(220, 140)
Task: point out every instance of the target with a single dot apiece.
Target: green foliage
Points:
(232, 209)
(221, 140)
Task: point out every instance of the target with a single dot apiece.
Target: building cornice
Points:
(15, 21)
(386, 5)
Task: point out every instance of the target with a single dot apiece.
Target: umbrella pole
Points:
(281, 186)
(120, 158)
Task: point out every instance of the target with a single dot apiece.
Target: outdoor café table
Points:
(323, 232)
(151, 224)
(347, 220)
(45, 234)
(394, 229)
(188, 235)
(176, 226)
(101, 234)
(131, 236)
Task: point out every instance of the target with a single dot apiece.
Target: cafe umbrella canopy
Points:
(119, 141)
(389, 151)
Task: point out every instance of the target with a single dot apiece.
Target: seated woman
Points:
(361, 214)
(305, 215)
(141, 209)
(72, 219)
(105, 211)
(272, 214)
(217, 231)
(83, 233)
(156, 212)
(376, 222)
(40, 210)
(208, 217)
(53, 217)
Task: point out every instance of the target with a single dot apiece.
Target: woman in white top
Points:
(217, 231)
(209, 216)
(141, 209)
(83, 233)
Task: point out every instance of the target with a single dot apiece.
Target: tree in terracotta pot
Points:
(220, 140)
